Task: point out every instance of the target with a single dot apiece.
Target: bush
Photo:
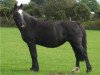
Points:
(92, 24)
(81, 12)
(4, 11)
(60, 15)
(6, 19)
(55, 9)
(33, 9)
(7, 22)
(97, 13)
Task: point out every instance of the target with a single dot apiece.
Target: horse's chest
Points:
(27, 35)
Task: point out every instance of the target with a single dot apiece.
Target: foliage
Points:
(77, 11)
(60, 15)
(50, 9)
(39, 2)
(95, 24)
(7, 22)
(69, 12)
(6, 7)
(56, 9)
(97, 13)
(92, 4)
(8, 3)
(70, 3)
(81, 12)
(32, 9)
(6, 12)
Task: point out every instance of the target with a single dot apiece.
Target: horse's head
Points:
(17, 7)
(18, 14)
(21, 18)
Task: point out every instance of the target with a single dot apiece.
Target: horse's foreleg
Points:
(33, 52)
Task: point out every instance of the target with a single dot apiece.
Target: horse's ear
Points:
(15, 6)
(21, 6)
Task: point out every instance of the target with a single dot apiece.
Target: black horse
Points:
(51, 34)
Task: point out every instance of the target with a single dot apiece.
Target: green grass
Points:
(15, 58)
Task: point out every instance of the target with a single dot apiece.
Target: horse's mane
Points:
(26, 14)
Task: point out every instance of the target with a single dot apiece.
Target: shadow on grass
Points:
(17, 72)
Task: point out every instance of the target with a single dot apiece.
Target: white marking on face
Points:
(21, 14)
(20, 11)
(23, 26)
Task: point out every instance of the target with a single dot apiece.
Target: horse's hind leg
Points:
(81, 55)
(89, 68)
(77, 65)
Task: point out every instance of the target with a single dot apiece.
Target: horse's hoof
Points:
(34, 69)
(76, 70)
(89, 70)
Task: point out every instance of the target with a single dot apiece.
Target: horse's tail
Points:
(84, 43)
(84, 39)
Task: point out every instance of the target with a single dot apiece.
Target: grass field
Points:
(15, 58)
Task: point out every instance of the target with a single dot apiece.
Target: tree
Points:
(6, 7)
(8, 3)
(56, 9)
(32, 9)
(6, 11)
(70, 3)
(39, 2)
(81, 12)
(97, 13)
(92, 4)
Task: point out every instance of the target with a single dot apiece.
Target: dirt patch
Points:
(61, 73)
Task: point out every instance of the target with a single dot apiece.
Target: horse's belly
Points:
(51, 44)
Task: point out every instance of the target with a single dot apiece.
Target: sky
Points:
(23, 1)
(27, 1)
(98, 1)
